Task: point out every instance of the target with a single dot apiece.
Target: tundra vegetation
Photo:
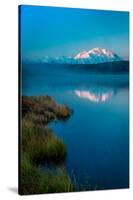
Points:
(41, 148)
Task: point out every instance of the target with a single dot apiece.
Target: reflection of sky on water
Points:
(96, 96)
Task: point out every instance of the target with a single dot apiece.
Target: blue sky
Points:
(50, 31)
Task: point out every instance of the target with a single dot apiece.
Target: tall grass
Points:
(39, 145)
(37, 181)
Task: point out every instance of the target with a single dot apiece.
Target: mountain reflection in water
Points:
(96, 97)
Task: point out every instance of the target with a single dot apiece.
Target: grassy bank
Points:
(40, 145)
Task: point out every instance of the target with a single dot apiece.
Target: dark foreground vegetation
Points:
(39, 145)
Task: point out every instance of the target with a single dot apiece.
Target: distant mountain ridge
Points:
(107, 67)
(93, 56)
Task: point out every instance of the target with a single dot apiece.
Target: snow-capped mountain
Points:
(60, 60)
(96, 55)
(93, 56)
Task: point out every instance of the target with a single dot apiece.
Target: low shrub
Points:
(44, 109)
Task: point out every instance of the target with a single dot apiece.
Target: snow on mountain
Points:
(93, 56)
(97, 55)
(60, 60)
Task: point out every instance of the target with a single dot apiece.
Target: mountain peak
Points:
(100, 51)
(97, 55)
(97, 50)
(93, 56)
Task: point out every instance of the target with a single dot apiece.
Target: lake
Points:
(97, 133)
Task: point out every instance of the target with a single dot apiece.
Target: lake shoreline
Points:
(39, 144)
(100, 102)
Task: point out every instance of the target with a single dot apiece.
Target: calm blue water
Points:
(97, 134)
